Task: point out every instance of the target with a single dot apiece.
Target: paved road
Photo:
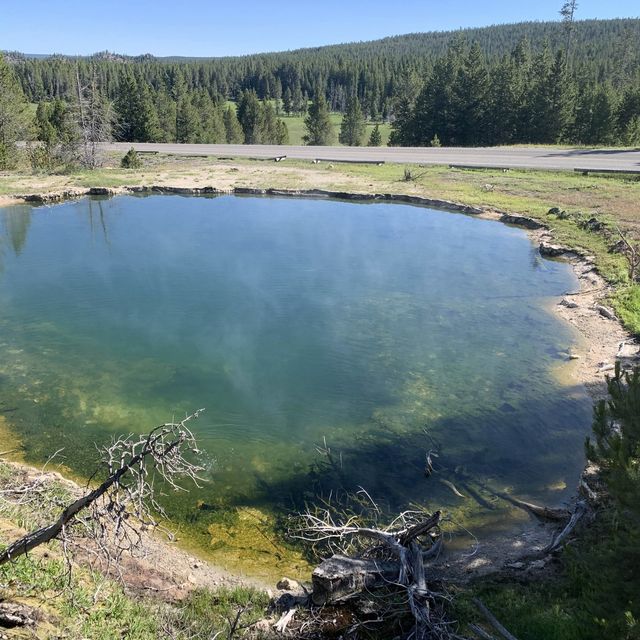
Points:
(503, 157)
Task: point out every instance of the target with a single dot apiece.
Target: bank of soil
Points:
(600, 340)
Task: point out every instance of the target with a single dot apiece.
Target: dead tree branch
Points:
(391, 556)
(632, 253)
(116, 512)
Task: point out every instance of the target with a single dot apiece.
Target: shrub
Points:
(131, 160)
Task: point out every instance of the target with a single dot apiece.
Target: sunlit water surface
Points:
(377, 331)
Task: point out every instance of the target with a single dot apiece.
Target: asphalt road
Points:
(502, 157)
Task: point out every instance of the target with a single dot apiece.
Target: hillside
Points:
(599, 48)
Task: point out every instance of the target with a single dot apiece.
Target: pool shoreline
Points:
(601, 336)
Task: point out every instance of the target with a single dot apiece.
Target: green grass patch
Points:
(626, 302)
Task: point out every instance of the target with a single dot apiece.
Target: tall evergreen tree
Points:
(166, 109)
(15, 120)
(188, 124)
(352, 127)
(250, 117)
(233, 130)
(317, 123)
(136, 113)
(402, 128)
(287, 101)
(469, 99)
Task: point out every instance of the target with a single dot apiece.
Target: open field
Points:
(295, 126)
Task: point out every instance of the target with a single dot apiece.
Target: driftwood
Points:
(541, 511)
(367, 557)
(115, 512)
(580, 510)
(340, 577)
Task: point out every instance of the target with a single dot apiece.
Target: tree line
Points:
(603, 51)
(525, 97)
(575, 82)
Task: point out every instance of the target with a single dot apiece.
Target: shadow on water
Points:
(479, 457)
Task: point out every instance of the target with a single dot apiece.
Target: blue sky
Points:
(228, 27)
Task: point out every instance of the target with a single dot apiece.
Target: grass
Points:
(296, 128)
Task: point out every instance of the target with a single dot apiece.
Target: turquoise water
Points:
(297, 324)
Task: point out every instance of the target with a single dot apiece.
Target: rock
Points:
(574, 356)
(287, 584)
(516, 565)
(627, 350)
(552, 250)
(593, 225)
(521, 221)
(554, 211)
(14, 614)
(605, 312)
(537, 565)
(570, 304)
(605, 366)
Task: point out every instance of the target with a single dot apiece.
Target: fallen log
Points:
(541, 511)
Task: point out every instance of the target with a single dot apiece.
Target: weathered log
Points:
(581, 510)
(419, 529)
(543, 512)
(340, 577)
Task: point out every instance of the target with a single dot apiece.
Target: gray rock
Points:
(605, 312)
(552, 250)
(287, 584)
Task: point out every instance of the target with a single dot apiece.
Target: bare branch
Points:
(115, 513)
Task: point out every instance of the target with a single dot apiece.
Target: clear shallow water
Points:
(292, 322)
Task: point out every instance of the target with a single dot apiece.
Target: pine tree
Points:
(282, 133)
(402, 129)
(287, 101)
(15, 121)
(317, 123)
(187, 121)
(469, 100)
(250, 117)
(137, 116)
(166, 109)
(375, 139)
(233, 130)
(352, 127)
(268, 124)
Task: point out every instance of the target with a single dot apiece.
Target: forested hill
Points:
(374, 67)
(528, 82)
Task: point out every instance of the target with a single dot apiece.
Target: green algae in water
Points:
(295, 323)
